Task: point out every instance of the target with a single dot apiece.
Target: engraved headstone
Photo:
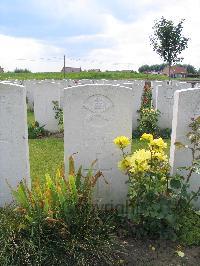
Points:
(94, 115)
(186, 106)
(14, 164)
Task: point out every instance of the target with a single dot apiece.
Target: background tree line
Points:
(159, 67)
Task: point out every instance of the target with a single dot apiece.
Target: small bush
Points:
(189, 231)
(165, 133)
(147, 123)
(157, 200)
(36, 131)
(58, 114)
(55, 223)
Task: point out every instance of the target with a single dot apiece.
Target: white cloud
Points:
(28, 53)
(132, 46)
(125, 43)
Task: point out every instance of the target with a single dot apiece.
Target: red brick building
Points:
(175, 72)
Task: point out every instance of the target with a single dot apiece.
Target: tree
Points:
(168, 41)
(20, 70)
(156, 68)
(191, 69)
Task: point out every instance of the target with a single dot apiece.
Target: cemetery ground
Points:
(55, 221)
(46, 155)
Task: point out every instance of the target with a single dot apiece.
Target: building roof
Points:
(175, 70)
(71, 69)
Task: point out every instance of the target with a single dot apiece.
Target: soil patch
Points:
(159, 252)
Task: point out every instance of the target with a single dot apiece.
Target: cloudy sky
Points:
(105, 34)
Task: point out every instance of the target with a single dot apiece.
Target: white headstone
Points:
(137, 89)
(14, 163)
(30, 86)
(45, 93)
(94, 115)
(186, 106)
(165, 100)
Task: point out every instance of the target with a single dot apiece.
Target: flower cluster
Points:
(122, 142)
(144, 160)
(148, 110)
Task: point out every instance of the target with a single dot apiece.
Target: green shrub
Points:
(147, 123)
(58, 114)
(57, 224)
(165, 133)
(189, 231)
(36, 131)
(157, 200)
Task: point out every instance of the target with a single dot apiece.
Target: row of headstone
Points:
(94, 115)
(46, 91)
(41, 94)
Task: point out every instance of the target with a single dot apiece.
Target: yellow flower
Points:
(180, 253)
(124, 164)
(122, 142)
(158, 143)
(146, 136)
(160, 156)
(139, 161)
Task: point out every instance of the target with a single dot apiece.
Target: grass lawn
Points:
(81, 75)
(47, 155)
(30, 117)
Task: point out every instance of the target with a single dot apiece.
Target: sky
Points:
(105, 34)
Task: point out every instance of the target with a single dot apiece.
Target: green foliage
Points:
(158, 201)
(36, 131)
(58, 114)
(149, 68)
(189, 228)
(159, 67)
(165, 133)
(81, 75)
(58, 224)
(147, 123)
(30, 117)
(19, 70)
(194, 138)
(168, 41)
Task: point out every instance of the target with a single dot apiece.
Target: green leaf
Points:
(175, 183)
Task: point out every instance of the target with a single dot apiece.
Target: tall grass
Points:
(56, 223)
(81, 75)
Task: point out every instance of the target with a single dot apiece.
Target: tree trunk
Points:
(169, 73)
